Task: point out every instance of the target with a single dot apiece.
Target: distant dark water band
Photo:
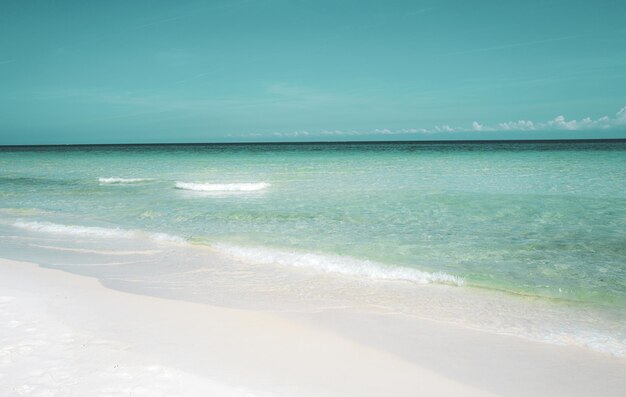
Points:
(439, 145)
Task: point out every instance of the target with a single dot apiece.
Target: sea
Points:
(518, 238)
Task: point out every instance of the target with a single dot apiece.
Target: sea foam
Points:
(222, 187)
(94, 231)
(335, 264)
(110, 181)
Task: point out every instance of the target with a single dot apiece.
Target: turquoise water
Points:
(537, 219)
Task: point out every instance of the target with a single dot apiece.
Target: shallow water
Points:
(540, 220)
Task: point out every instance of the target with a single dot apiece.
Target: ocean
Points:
(523, 238)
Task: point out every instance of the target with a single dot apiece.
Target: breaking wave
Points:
(110, 181)
(335, 264)
(222, 187)
(94, 231)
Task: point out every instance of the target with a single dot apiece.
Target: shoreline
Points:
(267, 280)
(149, 345)
(246, 350)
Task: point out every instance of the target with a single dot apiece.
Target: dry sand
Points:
(67, 335)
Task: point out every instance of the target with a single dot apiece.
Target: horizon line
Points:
(439, 141)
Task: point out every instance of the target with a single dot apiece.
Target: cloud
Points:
(559, 123)
(520, 125)
(384, 131)
(476, 126)
(443, 128)
(292, 134)
(605, 122)
(620, 117)
(556, 124)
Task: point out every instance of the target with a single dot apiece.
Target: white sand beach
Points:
(312, 198)
(67, 335)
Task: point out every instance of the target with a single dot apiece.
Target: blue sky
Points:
(215, 71)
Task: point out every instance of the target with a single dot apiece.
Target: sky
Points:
(121, 71)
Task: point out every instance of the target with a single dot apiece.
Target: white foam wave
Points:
(222, 187)
(335, 264)
(94, 231)
(596, 341)
(167, 238)
(109, 181)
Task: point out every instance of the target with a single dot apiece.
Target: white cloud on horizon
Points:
(559, 123)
